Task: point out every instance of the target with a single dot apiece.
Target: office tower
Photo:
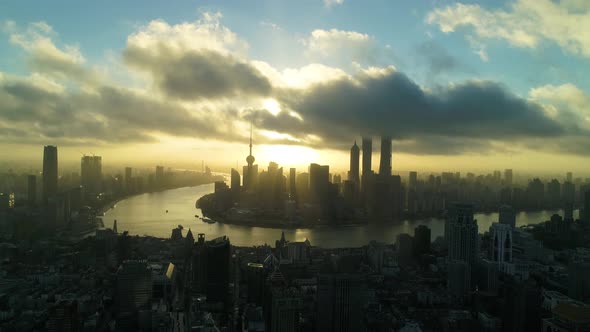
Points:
(404, 244)
(63, 317)
(284, 307)
(134, 286)
(32, 190)
(421, 240)
(385, 163)
(293, 183)
(536, 194)
(91, 173)
(128, 179)
(554, 193)
(459, 278)
(159, 177)
(579, 280)
(217, 269)
(568, 193)
(255, 275)
(569, 177)
(235, 183)
(339, 302)
(501, 235)
(413, 180)
(508, 177)
(49, 172)
(318, 181)
(367, 154)
(461, 233)
(507, 216)
(353, 174)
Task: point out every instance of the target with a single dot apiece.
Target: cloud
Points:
(438, 59)
(346, 47)
(330, 3)
(201, 84)
(524, 24)
(451, 119)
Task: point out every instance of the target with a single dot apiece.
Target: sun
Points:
(272, 106)
(287, 155)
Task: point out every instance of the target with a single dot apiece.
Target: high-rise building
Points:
(508, 177)
(459, 278)
(217, 270)
(63, 317)
(255, 275)
(461, 233)
(367, 154)
(235, 183)
(284, 309)
(49, 172)
(250, 170)
(579, 280)
(569, 177)
(501, 235)
(413, 180)
(421, 240)
(134, 286)
(319, 182)
(385, 163)
(339, 302)
(293, 183)
(353, 174)
(32, 190)
(507, 216)
(91, 173)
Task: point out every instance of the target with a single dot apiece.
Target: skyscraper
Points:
(159, 178)
(293, 183)
(501, 235)
(367, 154)
(235, 183)
(353, 174)
(507, 216)
(250, 171)
(421, 240)
(217, 270)
(586, 212)
(91, 173)
(413, 180)
(49, 172)
(318, 181)
(339, 302)
(569, 177)
(508, 177)
(461, 233)
(385, 163)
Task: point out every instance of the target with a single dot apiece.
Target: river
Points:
(146, 215)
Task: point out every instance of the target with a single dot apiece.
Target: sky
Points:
(463, 86)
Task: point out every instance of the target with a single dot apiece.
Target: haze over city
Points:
(465, 87)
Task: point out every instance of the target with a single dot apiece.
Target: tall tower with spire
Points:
(353, 174)
(250, 171)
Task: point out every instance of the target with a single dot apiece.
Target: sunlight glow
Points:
(287, 155)
(272, 106)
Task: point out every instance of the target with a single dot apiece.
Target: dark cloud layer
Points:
(445, 120)
(204, 74)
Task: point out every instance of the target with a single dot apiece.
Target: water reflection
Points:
(146, 215)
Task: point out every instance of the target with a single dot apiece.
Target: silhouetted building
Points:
(579, 280)
(256, 276)
(63, 317)
(217, 269)
(235, 183)
(367, 154)
(421, 240)
(134, 286)
(586, 207)
(339, 302)
(508, 177)
(413, 180)
(459, 278)
(293, 184)
(385, 163)
(461, 233)
(49, 172)
(318, 182)
(32, 190)
(353, 173)
(91, 173)
(507, 216)
(501, 235)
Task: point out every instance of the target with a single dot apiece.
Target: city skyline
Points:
(310, 89)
